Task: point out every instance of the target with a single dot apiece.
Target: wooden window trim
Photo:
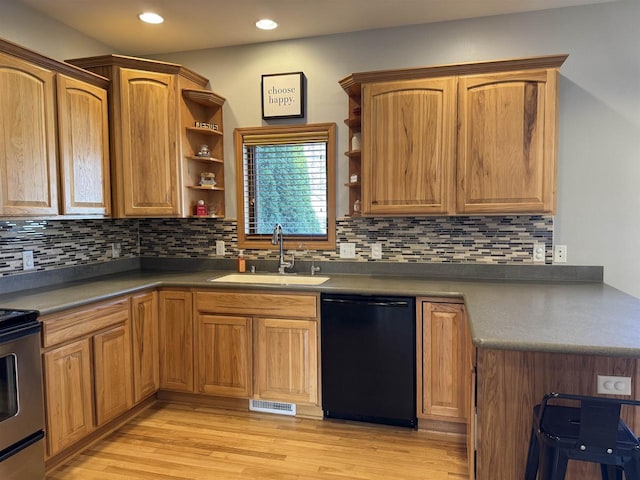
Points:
(291, 243)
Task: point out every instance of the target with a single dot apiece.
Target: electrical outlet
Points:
(539, 253)
(27, 260)
(614, 385)
(376, 251)
(115, 250)
(560, 254)
(220, 250)
(347, 250)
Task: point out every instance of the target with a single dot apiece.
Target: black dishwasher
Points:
(369, 358)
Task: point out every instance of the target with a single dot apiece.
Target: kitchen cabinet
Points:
(28, 159)
(444, 362)
(277, 330)
(87, 370)
(112, 370)
(69, 394)
(286, 360)
(144, 345)
(409, 145)
(54, 121)
(83, 129)
(176, 340)
(507, 142)
(224, 355)
(155, 140)
(477, 138)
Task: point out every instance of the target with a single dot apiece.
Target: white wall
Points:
(599, 147)
(29, 28)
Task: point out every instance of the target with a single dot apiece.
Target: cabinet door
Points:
(409, 142)
(286, 360)
(112, 370)
(444, 383)
(507, 142)
(28, 164)
(224, 355)
(147, 169)
(69, 395)
(84, 147)
(144, 336)
(176, 341)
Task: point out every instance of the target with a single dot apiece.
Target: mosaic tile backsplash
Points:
(66, 243)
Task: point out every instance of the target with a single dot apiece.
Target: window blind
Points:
(285, 181)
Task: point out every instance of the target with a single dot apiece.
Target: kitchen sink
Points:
(271, 279)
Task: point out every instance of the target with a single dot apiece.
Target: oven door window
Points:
(8, 387)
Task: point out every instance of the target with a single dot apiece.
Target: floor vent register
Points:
(279, 408)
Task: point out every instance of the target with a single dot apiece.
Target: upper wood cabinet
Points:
(35, 150)
(476, 138)
(155, 140)
(146, 156)
(83, 128)
(409, 135)
(507, 142)
(28, 160)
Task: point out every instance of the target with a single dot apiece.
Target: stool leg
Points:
(533, 457)
(632, 469)
(610, 472)
(553, 464)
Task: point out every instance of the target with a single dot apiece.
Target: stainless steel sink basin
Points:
(271, 279)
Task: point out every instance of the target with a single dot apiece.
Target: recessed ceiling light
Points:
(266, 24)
(150, 17)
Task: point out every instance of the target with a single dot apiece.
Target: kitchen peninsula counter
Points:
(543, 316)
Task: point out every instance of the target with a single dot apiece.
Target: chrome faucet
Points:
(278, 239)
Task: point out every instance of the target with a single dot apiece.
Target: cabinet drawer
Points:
(69, 324)
(282, 305)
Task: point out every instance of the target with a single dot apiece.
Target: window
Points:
(286, 175)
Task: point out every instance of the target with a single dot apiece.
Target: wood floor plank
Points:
(180, 442)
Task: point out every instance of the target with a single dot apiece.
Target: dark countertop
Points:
(545, 316)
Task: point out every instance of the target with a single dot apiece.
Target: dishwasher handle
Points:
(374, 302)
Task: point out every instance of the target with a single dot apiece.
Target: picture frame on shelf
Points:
(283, 95)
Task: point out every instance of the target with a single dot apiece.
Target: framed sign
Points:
(283, 95)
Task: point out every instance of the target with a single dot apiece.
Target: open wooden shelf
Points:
(203, 97)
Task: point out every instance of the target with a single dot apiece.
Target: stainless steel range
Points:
(21, 401)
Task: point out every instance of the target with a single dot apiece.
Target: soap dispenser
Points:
(242, 263)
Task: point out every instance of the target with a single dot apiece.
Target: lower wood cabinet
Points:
(98, 361)
(176, 340)
(445, 369)
(144, 345)
(286, 360)
(87, 370)
(69, 394)
(112, 370)
(224, 355)
(257, 345)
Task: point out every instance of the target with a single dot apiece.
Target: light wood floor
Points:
(178, 442)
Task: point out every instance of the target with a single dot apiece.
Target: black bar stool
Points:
(591, 432)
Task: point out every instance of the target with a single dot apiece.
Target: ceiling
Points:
(199, 24)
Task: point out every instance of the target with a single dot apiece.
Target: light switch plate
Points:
(347, 250)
